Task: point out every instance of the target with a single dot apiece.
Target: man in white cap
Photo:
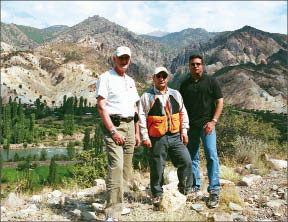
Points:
(116, 98)
(163, 128)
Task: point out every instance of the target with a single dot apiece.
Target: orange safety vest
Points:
(163, 119)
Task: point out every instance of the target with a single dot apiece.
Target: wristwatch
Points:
(214, 120)
(113, 132)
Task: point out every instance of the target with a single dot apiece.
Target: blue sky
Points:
(147, 16)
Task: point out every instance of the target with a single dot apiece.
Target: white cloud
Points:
(145, 16)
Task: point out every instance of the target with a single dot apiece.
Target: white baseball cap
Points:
(160, 69)
(122, 50)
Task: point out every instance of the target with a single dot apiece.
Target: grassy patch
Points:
(229, 194)
(228, 173)
(16, 180)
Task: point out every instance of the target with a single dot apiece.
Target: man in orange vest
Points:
(163, 127)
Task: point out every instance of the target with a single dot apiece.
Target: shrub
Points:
(234, 124)
(141, 158)
(90, 167)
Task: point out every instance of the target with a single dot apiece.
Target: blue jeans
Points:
(212, 163)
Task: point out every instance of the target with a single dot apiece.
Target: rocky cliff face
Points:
(51, 72)
(262, 87)
(232, 48)
(146, 53)
(260, 84)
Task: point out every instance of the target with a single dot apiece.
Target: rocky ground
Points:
(260, 198)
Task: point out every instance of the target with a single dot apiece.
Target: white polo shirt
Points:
(120, 93)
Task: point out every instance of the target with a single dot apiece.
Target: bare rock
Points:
(220, 216)
(171, 177)
(98, 206)
(197, 207)
(235, 207)
(250, 180)
(224, 182)
(275, 203)
(172, 199)
(100, 183)
(278, 164)
(87, 215)
(56, 193)
(12, 201)
(36, 199)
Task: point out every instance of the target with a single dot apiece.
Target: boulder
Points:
(197, 207)
(35, 199)
(87, 215)
(278, 164)
(220, 216)
(235, 207)
(250, 180)
(171, 177)
(12, 201)
(56, 193)
(275, 203)
(100, 183)
(224, 182)
(172, 199)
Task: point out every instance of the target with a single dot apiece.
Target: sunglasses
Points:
(164, 76)
(195, 64)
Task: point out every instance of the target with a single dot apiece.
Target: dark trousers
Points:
(169, 144)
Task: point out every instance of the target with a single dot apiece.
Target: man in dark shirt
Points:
(204, 103)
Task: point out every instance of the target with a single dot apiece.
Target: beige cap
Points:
(160, 69)
(122, 50)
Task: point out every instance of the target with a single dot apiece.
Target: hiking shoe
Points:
(196, 191)
(157, 201)
(213, 200)
(109, 219)
(126, 211)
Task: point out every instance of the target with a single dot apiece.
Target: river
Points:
(25, 152)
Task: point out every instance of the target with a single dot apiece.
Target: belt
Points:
(127, 119)
(170, 134)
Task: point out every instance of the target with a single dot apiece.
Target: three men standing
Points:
(204, 102)
(116, 97)
(164, 123)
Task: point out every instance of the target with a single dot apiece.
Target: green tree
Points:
(7, 122)
(32, 124)
(98, 141)
(86, 140)
(14, 112)
(43, 155)
(69, 125)
(21, 116)
(81, 106)
(52, 172)
(16, 157)
(70, 150)
(6, 145)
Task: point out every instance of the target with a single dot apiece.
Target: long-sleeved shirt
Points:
(145, 105)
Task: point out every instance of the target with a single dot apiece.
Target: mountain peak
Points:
(157, 33)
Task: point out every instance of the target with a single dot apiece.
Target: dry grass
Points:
(229, 194)
(228, 173)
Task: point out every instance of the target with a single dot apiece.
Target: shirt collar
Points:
(157, 92)
(201, 78)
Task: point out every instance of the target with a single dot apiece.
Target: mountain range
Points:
(250, 64)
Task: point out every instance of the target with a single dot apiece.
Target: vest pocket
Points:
(175, 123)
(157, 125)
